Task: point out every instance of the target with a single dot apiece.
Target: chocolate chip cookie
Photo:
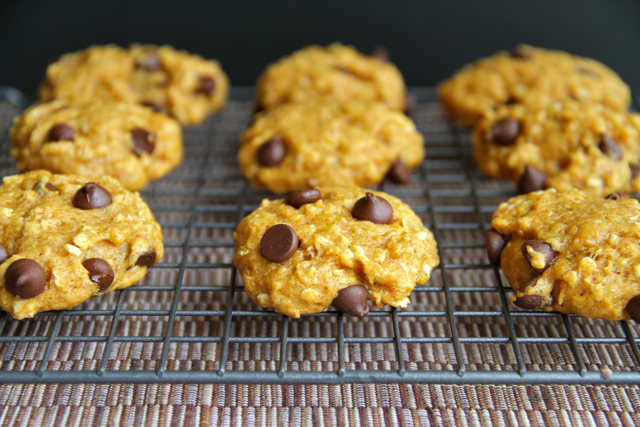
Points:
(335, 71)
(127, 141)
(184, 85)
(570, 252)
(64, 239)
(532, 76)
(332, 246)
(564, 145)
(329, 143)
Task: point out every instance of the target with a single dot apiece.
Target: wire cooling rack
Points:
(189, 320)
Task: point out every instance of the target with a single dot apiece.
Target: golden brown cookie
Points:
(335, 71)
(570, 252)
(532, 76)
(64, 239)
(184, 85)
(327, 246)
(129, 142)
(328, 143)
(565, 145)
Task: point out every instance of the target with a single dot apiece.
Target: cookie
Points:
(64, 239)
(333, 246)
(570, 252)
(328, 143)
(184, 85)
(532, 76)
(563, 146)
(335, 71)
(129, 142)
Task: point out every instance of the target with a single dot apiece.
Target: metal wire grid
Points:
(189, 320)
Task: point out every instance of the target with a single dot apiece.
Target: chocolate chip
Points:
(529, 301)
(302, 197)
(92, 196)
(506, 131)
(206, 85)
(272, 153)
(4, 255)
(344, 70)
(49, 186)
(352, 300)
(410, 103)
(521, 54)
(540, 247)
(61, 132)
(279, 243)
(495, 244)
(609, 147)
(147, 259)
(633, 307)
(399, 173)
(143, 141)
(25, 278)
(613, 196)
(373, 208)
(510, 101)
(531, 180)
(100, 272)
(155, 106)
(380, 53)
(149, 63)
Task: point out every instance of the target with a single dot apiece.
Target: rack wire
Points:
(189, 320)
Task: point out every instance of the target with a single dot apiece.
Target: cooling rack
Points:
(189, 320)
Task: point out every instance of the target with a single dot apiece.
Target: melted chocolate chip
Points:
(49, 186)
(506, 131)
(143, 141)
(373, 208)
(302, 197)
(4, 255)
(352, 300)
(380, 53)
(399, 173)
(529, 302)
(25, 278)
(613, 196)
(206, 85)
(92, 196)
(633, 307)
(149, 63)
(344, 70)
(155, 106)
(609, 147)
(61, 132)
(147, 259)
(521, 54)
(531, 180)
(635, 170)
(272, 153)
(542, 248)
(100, 272)
(279, 243)
(495, 245)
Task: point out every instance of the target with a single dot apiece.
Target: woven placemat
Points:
(174, 320)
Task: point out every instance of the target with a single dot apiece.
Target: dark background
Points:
(428, 40)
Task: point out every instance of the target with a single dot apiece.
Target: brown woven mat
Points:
(209, 178)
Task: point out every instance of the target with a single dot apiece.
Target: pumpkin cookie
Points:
(570, 252)
(532, 76)
(335, 71)
(563, 146)
(329, 143)
(327, 246)
(64, 239)
(129, 142)
(184, 85)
